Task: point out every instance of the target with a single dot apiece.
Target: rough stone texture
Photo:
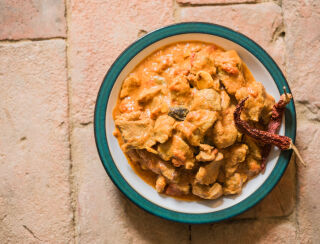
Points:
(28, 19)
(308, 186)
(34, 147)
(261, 22)
(104, 215)
(98, 32)
(246, 231)
(302, 21)
(201, 2)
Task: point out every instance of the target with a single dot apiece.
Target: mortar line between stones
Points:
(296, 181)
(71, 176)
(214, 4)
(10, 41)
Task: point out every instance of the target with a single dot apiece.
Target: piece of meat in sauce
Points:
(178, 151)
(136, 132)
(230, 71)
(235, 155)
(207, 192)
(203, 60)
(152, 162)
(196, 125)
(207, 153)
(233, 184)
(257, 101)
(206, 99)
(180, 90)
(224, 132)
(178, 189)
(208, 174)
(163, 128)
(129, 85)
(147, 94)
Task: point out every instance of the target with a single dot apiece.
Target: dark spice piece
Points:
(178, 113)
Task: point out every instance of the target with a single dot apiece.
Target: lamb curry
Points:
(174, 121)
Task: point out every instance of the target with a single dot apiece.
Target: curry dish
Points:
(174, 121)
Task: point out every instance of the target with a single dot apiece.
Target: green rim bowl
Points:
(110, 156)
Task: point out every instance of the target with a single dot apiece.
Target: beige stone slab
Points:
(302, 21)
(98, 32)
(104, 215)
(34, 146)
(246, 231)
(30, 19)
(205, 2)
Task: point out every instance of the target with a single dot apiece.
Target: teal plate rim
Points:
(100, 117)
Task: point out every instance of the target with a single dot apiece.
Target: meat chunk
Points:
(233, 185)
(230, 71)
(128, 105)
(160, 183)
(206, 99)
(255, 150)
(177, 150)
(148, 94)
(207, 153)
(256, 102)
(129, 85)
(208, 174)
(163, 128)
(224, 132)
(189, 132)
(235, 155)
(178, 189)
(180, 90)
(207, 192)
(225, 100)
(203, 60)
(254, 166)
(196, 125)
(137, 133)
(156, 165)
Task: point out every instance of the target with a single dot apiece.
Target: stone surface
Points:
(104, 215)
(308, 184)
(302, 21)
(261, 22)
(34, 146)
(246, 231)
(200, 2)
(28, 19)
(98, 32)
(280, 201)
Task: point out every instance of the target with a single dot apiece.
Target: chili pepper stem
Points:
(285, 92)
(296, 151)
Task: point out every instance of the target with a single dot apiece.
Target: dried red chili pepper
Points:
(266, 137)
(275, 122)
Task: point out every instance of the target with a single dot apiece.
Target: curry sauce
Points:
(174, 121)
